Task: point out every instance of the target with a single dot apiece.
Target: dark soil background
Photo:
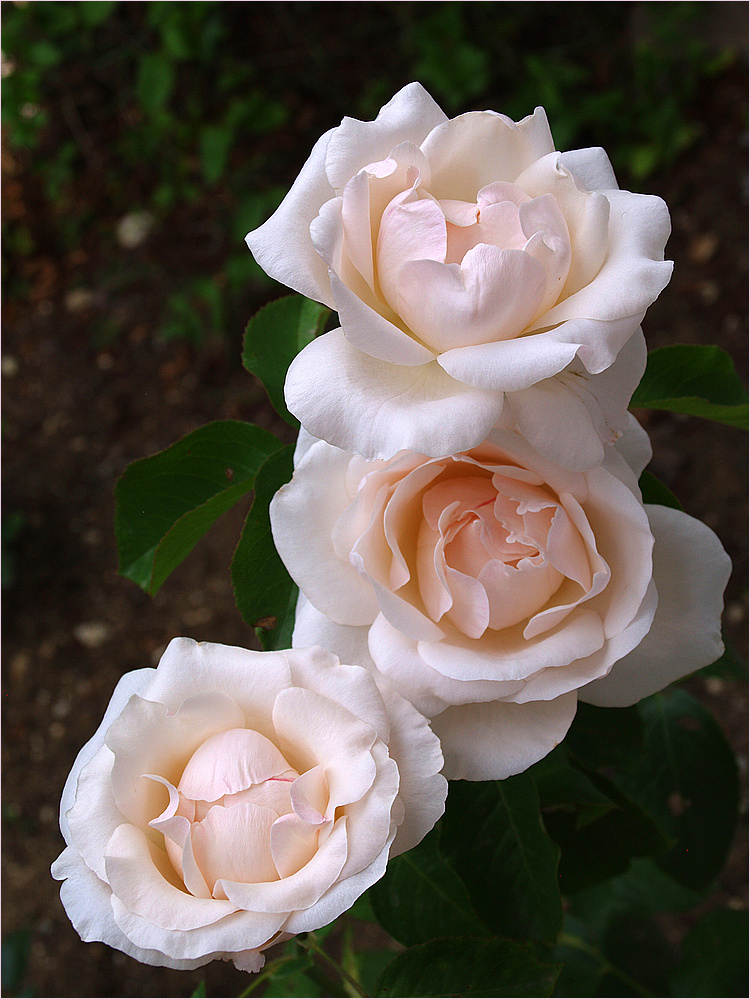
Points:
(78, 406)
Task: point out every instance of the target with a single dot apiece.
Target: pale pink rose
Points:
(494, 588)
(467, 260)
(232, 798)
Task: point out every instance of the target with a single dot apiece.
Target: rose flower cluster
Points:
(464, 524)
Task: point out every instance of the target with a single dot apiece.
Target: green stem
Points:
(569, 940)
(263, 975)
(310, 942)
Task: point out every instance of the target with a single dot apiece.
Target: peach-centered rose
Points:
(467, 260)
(493, 588)
(232, 798)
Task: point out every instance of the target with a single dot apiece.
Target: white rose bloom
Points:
(232, 798)
(494, 588)
(468, 261)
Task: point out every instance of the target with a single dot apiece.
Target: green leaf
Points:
(274, 337)
(95, 12)
(215, 142)
(631, 961)
(566, 787)
(263, 590)
(200, 990)
(654, 491)
(597, 847)
(466, 966)
(688, 782)
(714, 957)
(693, 379)
(166, 503)
(606, 737)
(731, 665)
(154, 81)
(421, 897)
(494, 837)
(15, 952)
(643, 888)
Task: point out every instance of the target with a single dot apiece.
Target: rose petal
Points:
(146, 739)
(408, 117)
(228, 762)
(235, 844)
(494, 740)
(303, 516)
(691, 570)
(361, 404)
(88, 903)
(507, 149)
(282, 245)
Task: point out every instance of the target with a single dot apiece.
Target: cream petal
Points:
(282, 245)
(548, 683)
(300, 890)
(557, 423)
(141, 877)
(235, 843)
(623, 536)
(506, 150)
(366, 197)
(309, 796)
(229, 762)
(508, 365)
(494, 740)
(587, 218)
(340, 896)
(251, 679)
(634, 445)
(492, 295)
(311, 627)
(408, 117)
(369, 819)
(132, 683)
(399, 659)
(507, 655)
(303, 515)
(88, 903)
(294, 843)
(411, 228)
(315, 730)
(234, 935)
(94, 816)
(176, 829)
(146, 739)
(374, 334)
(591, 168)
(419, 758)
(376, 409)
(350, 686)
(631, 277)
(690, 570)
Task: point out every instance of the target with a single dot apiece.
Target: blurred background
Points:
(141, 141)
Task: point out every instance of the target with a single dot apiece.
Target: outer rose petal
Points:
(131, 683)
(408, 117)
(88, 902)
(691, 570)
(361, 404)
(317, 501)
(494, 740)
(591, 408)
(282, 245)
